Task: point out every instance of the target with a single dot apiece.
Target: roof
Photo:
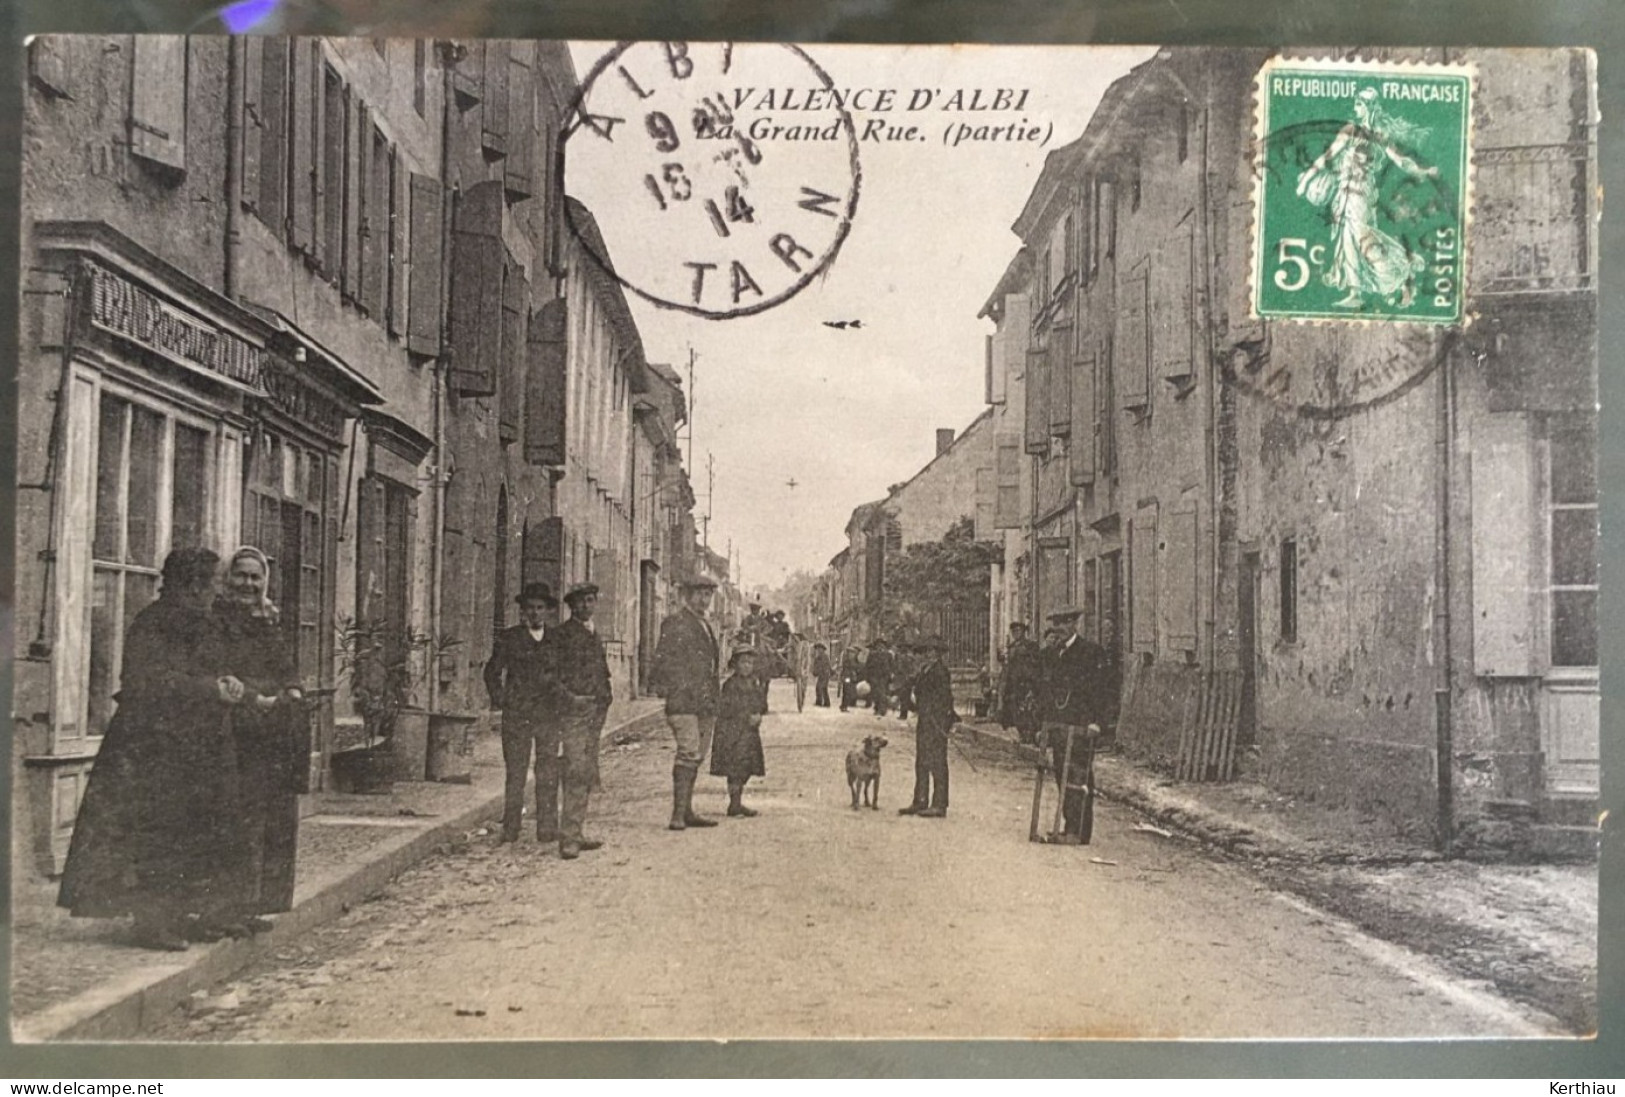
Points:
(986, 415)
(1014, 278)
(861, 515)
(601, 272)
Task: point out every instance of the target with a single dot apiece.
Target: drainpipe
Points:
(1444, 441)
(234, 159)
(438, 374)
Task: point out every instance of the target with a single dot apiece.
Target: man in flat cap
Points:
(522, 681)
(1077, 695)
(685, 674)
(584, 700)
(1021, 684)
(934, 699)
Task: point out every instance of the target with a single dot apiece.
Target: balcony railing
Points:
(1534, 219)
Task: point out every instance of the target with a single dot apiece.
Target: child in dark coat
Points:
(736, 751)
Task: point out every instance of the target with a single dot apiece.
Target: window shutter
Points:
(272, 119)
(1505, 596)
(1037, 433)
(356, 135)
(1082, 453)
(371, 536)
(520, 167)
(423, 327)
(544, 400)
(1007, 470)
(607, 575)
(477, 257)
(543, 553)
(329, 174)
(158, 100)
(399, 218)
(1171, 313)
(1060, 369)
(1130, 343)
(251, 125)
(1179, 602)
(494, 104)
(987, 491)
(1143, 578)
(47, 65)
(374, 227)
(515, 352)
(307, 74)
(987, 370)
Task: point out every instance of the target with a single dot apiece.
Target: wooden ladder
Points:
(1207, 737)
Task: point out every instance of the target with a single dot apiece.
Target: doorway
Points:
(1247, 640)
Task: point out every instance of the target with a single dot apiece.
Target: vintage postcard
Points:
(538, 540)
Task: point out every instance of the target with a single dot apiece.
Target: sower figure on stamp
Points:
(1020, 685)
(685, 674)
(1077, 696)
(934, 699)
(584, 699)
(522, 680)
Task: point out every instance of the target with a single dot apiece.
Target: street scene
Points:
(527, 540)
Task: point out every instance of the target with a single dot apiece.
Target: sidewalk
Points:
(1529, 930)
(78, 979)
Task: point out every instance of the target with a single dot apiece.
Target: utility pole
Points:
(710, 490)
(690, 458)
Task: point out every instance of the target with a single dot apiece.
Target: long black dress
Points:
(272, 756)
(159, 832)
(736, 750)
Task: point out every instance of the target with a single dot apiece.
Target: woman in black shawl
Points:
(272, 756)
(159, 833)
(736, 750)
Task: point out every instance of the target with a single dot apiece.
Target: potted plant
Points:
(384, 666)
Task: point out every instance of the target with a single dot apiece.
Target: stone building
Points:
(313, 295)
(1388, 536)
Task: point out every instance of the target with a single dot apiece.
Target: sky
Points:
(778, 395)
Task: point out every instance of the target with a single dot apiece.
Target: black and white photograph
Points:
(536, 540)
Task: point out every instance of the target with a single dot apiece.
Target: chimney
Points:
(945, 438)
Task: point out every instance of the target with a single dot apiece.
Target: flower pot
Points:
(410, 744)
(451, 747)
(367, 770)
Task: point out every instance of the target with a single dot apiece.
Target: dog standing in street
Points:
(863, 771)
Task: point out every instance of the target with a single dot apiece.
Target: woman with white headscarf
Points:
(270, 732)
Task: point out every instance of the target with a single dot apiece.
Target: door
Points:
(1247, 639)
(647, 612)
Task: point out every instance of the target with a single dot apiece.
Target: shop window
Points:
(1572, 518)
(152, 477)
(284, 516)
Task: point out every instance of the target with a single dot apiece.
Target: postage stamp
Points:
(1362, 191)
(725, 226)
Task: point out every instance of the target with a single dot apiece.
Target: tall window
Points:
(283, 516)
(1572, 511)
(332, 174)
(1289, 589)
(153, 476)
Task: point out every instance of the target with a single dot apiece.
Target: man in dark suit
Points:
(1021, 685)
(906, 664)
(823, 671)
(1077, 696)
(685, 674)
(521, 679)
(934, 699)
(584, 700)
(851, 675)
(877, 670)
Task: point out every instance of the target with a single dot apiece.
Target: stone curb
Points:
(122, 1009)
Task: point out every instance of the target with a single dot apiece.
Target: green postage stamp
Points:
(1361, 202)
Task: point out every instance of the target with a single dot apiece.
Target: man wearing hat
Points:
(877, 670)
(685, 674)
(823, 670)
(1077, 695)
(522, 681)
(934, 699)
(1021, 684)
(584, 700)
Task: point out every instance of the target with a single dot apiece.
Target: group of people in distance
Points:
(190, 820)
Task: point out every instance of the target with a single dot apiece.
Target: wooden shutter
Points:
(307, 73)
(1505, 595)
(1131, 343)
(987, 370)
(158, 100)
(515, 352)
(542, 554)
(494, 103)
(372, 533)
(1143, 578)
(1060, 368)
(1007, 471)
(1180, 569)
(423, 327)
(1081, 456)
(251, 124)
(357, 133)
(606, 573)
(271, 108)
(987, 492)
(47, 64)
(374, 228)
(545, 392)
(520, 168)
(1172, 316)
(477, 257)
(1037, 432)
(400, 218)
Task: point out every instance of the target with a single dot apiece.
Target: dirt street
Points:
(816, 920)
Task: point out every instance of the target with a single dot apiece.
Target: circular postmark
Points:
(661, 169)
